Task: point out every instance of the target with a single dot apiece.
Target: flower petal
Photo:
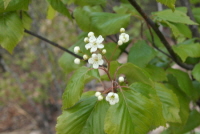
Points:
(88, 46)
(95, 65)
(100, 46)
(90, 61)
(93, 49)
(92, 39)
(100, 39)
(100, 62)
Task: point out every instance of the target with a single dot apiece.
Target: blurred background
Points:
(31, 81)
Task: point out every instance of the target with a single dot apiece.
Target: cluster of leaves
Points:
(155, 95)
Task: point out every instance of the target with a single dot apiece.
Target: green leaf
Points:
(192, 122)
(6, 2)
(51, 13)
(131, 115)
(11, 30)
(60, 7)
(90, 2)
(196, 72)
(101, 23)
(141, 53)
(26, 20)
(151, 94)
(74, 87)
(176, 17)
(113, 52)
(108, 23)
(14, 5)
(184, 104)
(179, 29)
(189, 50)
(134, 74)
(170, 104)
(169, 3)
(156, 73)
(86, 117)
(113, 68)
(126, 9)
(196, 13)
(82, 17)
(183, 81)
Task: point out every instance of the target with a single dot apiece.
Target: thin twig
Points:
(154, 45)
(161, 36)
(52, 43)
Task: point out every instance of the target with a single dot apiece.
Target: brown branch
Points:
(52, 43)
(160, 35)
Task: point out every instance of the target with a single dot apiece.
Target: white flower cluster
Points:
(99, 96)
(123, 37)
(112, 98)
(94, 44)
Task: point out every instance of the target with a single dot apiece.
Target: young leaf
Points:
(196, 72)
(176, 17)
(51, 13)
(11, 30)
(113, 51)
(189, 50)
(169, 3)
(141, 53)
(60, 7)
(134, 74)
(13, 5)
(131, 115)
(74, 87)
(170, 104)
(86, 117)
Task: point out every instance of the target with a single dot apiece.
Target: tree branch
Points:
(154, 45)
(52, 43)
(160, 35)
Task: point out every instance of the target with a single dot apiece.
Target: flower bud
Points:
(85, 57)
(121, 79)
(100, 97)
(77, 61)
(97, 94)
(76, 49)
(86, 39)
(122, 30)
(90, 34)
(120, 42)
(104, 51)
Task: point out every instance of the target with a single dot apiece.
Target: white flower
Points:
(76, 49)
(124, 37)
(90, 34)
(104, 51)
(120, 42)
(95, 43)
(100, 97)
(97, 94)
(86, 39)
(122, 30)
(121, 79)
(96, 60)
(77, 61)
(85, 57)
(112, 98)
